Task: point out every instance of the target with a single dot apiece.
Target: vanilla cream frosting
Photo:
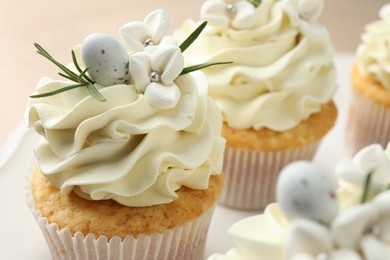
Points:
(124, 149)
(373, 53)
(358, 228)
(282, 69)
(260, 237)
(156, 132)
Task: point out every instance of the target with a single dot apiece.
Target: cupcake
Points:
(276, 97)
(129, 165)
(317, 219)
(369, 106)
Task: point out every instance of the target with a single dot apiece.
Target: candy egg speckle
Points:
(107, 60)
(304, 190)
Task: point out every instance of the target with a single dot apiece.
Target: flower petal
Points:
(370, 158)
(157, 23)
(310, 8)
(140, 70)
(134, 34)
(291, 10)
(169, 62)
(374, 248)
(168, 40)
(313, 31)
(214, 12)
(307, 237)
(382, 202)
(245, 16)
(349, 227)
(162, 97)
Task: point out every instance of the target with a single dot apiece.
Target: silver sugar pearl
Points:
(231, 8)
(154, 76)
(148, 42)
(304, 16)
(322, 256)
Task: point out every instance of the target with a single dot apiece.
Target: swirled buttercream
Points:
(124, 149)
(260, 237)
(373, 53)
(280, 74)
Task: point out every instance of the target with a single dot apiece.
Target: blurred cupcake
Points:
(130, 160)
(315, 219)
(369, 106)
(276, 97)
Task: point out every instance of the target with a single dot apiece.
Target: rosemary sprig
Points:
(187, 43)
(81, 80)
(193, 36)
(201, 66)
(366, 189)
(256, 3)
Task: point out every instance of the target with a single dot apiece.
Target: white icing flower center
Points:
(154, 72)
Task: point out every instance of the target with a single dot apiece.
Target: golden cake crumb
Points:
(374, 90)
(111, 219)
(307, 132)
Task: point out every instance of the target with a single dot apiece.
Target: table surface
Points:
(59, 26)
(17, 223)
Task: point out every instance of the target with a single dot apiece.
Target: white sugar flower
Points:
(303, 14)
(152, 31)
(309, 240)
(370, 159)
(154, 72)
(366, 228)
(239, 14)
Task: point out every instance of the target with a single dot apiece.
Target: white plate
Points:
(20, 237)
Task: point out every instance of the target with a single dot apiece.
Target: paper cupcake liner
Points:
(250, 177)
(368, 123)
(183, 242)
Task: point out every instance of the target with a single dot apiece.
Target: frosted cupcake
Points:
(276, 97)
(129, 164)
(314, 220)
(369, 107)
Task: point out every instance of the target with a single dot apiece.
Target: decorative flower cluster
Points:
(239, 14)
(158, 60)
(362, 230)
(242, 14)
(154, 62)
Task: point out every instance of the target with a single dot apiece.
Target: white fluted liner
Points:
(250, 177)
(183, 242)
(368, 123)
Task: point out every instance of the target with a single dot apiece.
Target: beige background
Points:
(60, 25)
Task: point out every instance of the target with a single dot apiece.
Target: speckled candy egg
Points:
(304, 190)
(107, 60)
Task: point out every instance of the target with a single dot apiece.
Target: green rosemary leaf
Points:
(255, 3)
(189, 69)
(55, 92)
(194, 35)
(67, 77)
(45, 54)
(95, 93)
(76, 64)
(82, 74)
(366, 189)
